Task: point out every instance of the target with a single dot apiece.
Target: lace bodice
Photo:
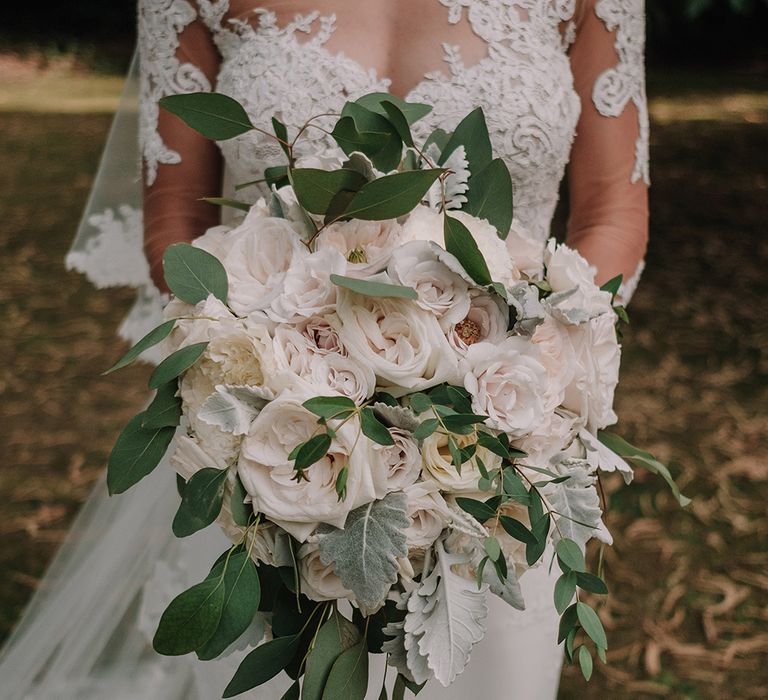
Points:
(524, 83)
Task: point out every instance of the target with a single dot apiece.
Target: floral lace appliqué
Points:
(625, 82)
(160, 23)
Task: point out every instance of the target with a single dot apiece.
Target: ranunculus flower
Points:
(424, 224)
(365, 245)
(307, 289)
(436, 458)
(486, 320)
(598, 355)
(258, 260)
(441, 291)
(403, 344)
(428, 511)
(268, 474)
(508, 383)
(571, 276)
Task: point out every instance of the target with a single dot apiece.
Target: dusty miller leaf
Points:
(364, 554)
(233, 408)
(446, 617)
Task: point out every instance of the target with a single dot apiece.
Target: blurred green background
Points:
(688, 612)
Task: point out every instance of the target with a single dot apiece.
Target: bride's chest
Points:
(509, 57)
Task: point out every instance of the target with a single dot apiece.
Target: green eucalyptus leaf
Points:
(315, 188)
(565, 589)
(514, 528)
(392, 195)
(612, 285)
(276, 176)
(294, 692)
(191, 619)
(241, 511)
(591, 623)
(311, 451)
(214, 115)
(348, 678)
(227, 202)
(426, 428)
(336, 635)
(398, 120)
(175, 364)
(330, 406)
(642, 458)
(282, 134)
(374, 429)
(204, 493)
(419, 402)
(385, 153)
(585, 661)
(165, 409)
(568, 621)
(492, 548)
(460, 243)
(490, 196)
(155, 336)
(569, 555)
(136, 453)
(374, 289)
(472, 133)
(479, 510)
(262, 664)
(241, 602)
(351, 139)
(590, 582)
(413, 111)
(193, 273)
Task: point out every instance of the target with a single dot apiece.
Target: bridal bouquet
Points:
(389, 397)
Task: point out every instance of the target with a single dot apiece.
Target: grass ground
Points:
(688, 612)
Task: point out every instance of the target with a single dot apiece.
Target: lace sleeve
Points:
(608, 172)
(177, 55)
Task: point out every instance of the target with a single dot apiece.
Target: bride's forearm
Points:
(610, 254)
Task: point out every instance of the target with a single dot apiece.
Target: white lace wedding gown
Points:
(559, 79)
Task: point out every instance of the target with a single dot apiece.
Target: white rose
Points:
(527, 253)
(258, 260)
(365, 245)
(322, 336)
(429, 514)
(403, 344)
(425, 224)
(441, 291)
(189, 457)
(293, 352)
(307, 289)
(508, 383)
(438, 464)
(598, 355)
(269, 475)
(544, 445)
(216, 241)
(486, 320)
(198, 323)
(345, 376)
(557, 356)
(319, 581)
(402, 460)
(575, 294)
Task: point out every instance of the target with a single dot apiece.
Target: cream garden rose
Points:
(365, 245)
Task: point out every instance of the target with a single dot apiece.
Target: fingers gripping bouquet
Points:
(384, 392)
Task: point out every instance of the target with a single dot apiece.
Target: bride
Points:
(561, 83)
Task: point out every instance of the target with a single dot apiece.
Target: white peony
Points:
(441, 291)
(319, 581)
(403, 461)
(598, 355)
(429, 514)
(403, 344)
(365, 245)
(424, 224)
(575, 295)
(258, 261)
(307, 289)
(508, 383)
(436, 459)
(486, 320)
(269, 475)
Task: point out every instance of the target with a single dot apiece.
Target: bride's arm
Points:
(180, 167)
(608, 171)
